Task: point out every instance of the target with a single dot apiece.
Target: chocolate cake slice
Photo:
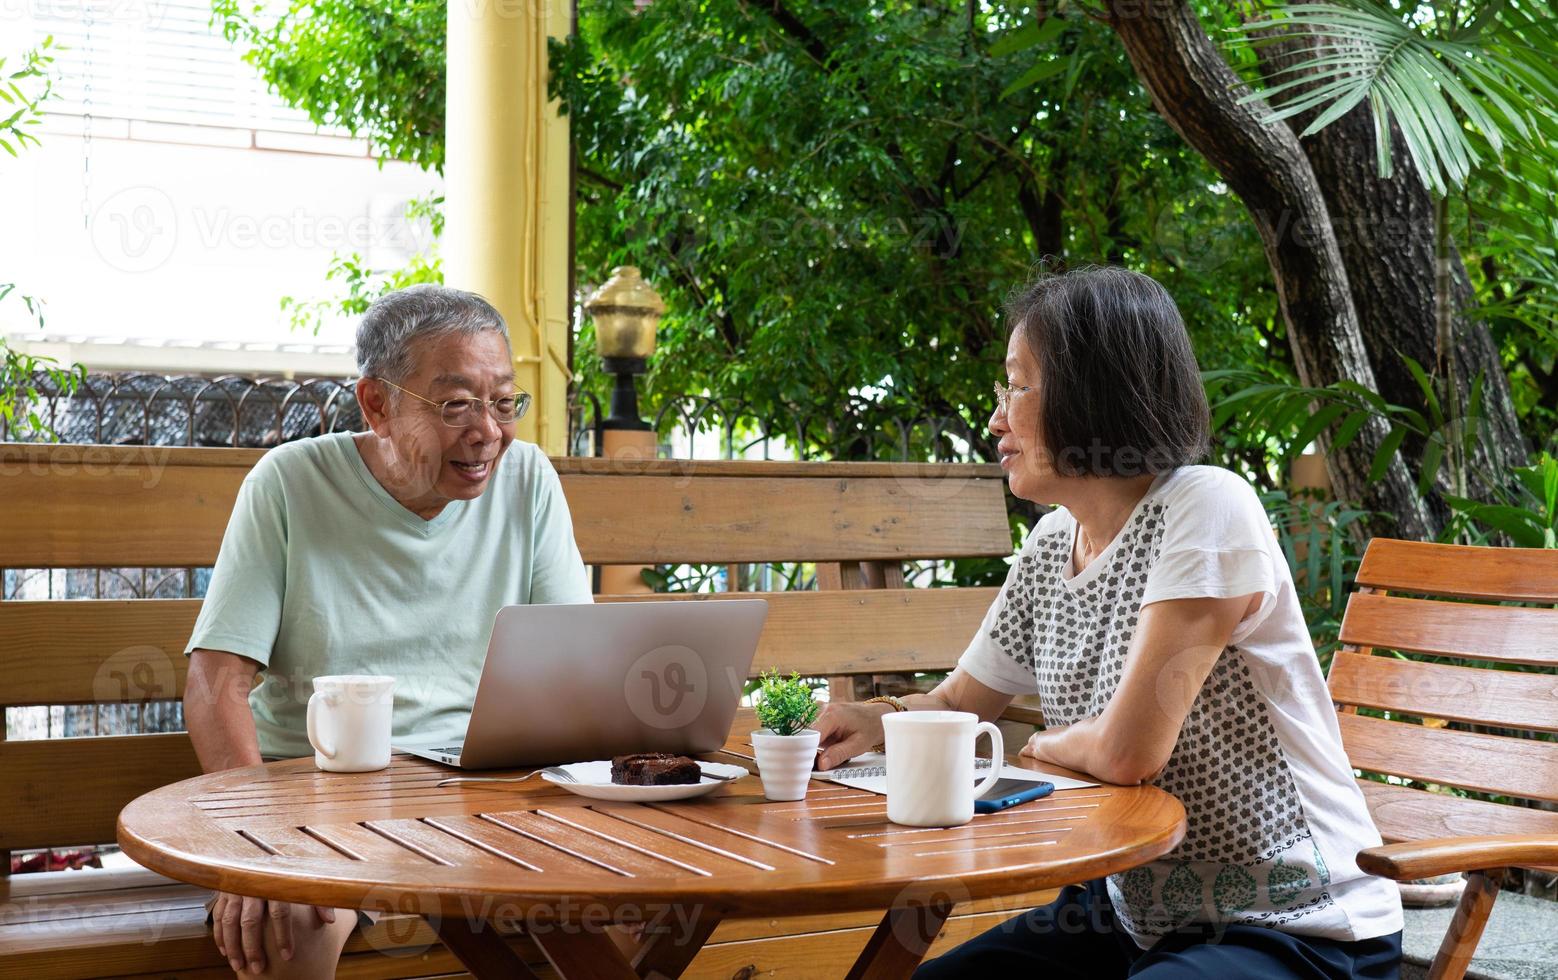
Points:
(654, 769)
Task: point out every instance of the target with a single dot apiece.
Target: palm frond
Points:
(1455, 99)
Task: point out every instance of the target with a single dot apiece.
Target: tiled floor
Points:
(1521, 941)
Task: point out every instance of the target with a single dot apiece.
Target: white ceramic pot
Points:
(785, 762)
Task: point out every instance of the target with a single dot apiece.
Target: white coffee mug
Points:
(930, 766)
(349, 722)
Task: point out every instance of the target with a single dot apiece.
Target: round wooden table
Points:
(480, 860)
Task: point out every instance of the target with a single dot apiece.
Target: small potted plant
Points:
(786, 748)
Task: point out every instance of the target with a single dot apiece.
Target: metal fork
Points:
(559, 772)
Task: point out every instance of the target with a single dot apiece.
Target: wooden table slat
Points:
(522, 851)
(672, 824)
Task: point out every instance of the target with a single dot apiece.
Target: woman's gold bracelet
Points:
(897, 706)
(887, 699)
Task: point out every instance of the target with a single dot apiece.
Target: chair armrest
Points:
(1022, 715)
(1444, 855)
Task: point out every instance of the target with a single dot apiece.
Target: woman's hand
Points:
(848, 728)
(1034, 748)
(851, 727)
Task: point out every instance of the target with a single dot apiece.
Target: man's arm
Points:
(216, 710)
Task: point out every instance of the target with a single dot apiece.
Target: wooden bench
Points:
(1429, 833)
(72, 507)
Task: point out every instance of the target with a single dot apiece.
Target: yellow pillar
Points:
(506, 192)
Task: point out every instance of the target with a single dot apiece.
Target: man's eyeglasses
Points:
(1004, 394)
(460, 412)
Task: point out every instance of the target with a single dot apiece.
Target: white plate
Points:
(594, 781)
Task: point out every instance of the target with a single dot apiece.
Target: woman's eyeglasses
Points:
(1004, 394)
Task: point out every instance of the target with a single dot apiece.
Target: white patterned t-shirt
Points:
(1274, 817)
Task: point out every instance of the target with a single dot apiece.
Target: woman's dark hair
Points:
(1119, 393)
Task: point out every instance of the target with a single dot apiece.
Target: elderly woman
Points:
(1152, 612)
(388, 551)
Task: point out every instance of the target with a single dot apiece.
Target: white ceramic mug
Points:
(930, 766)
(349, 721)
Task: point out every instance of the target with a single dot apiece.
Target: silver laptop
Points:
(572, 683)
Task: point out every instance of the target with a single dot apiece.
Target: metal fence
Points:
(188, 410)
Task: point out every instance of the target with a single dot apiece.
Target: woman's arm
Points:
(849, 728)
(1177, 643)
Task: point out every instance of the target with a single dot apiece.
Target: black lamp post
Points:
(626, 311)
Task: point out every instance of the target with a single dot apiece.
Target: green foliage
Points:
(1514, 211)
(1319, 541)
(1471, 86)
(22, 92)
(1293, 415)
(19, 392)
(22, 95)
(373, 66)
(1529, 517)
(834, 199)
(361, 285)
(785, 706)
(1461, 80)
(780, 577)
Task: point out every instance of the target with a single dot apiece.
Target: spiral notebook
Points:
(869, 772)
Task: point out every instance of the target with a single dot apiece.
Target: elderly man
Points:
(381, 552)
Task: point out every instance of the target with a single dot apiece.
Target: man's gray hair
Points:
(397, 321)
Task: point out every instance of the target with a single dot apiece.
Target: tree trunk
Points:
(1392, 276)
(1197, 93)
(1385, 230)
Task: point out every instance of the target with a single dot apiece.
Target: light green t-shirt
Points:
(322, 572)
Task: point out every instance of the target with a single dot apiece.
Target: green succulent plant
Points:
(785, 706)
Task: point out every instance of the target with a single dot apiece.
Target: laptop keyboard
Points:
(448, 750)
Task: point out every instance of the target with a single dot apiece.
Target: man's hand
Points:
(238, 924)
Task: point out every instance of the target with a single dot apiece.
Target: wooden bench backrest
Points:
(1379, 618)
(156, 507)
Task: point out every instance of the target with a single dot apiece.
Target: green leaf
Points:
(1424, 384)
(1521, 525)
(1034, 75)
(1028, 36)
(1348, 430)
(1383, 455)
(1541, 481)
(1433, 456)
(1372, 397)
(1316, 425)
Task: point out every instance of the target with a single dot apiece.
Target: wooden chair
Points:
(1435, 833)
(73, 507)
